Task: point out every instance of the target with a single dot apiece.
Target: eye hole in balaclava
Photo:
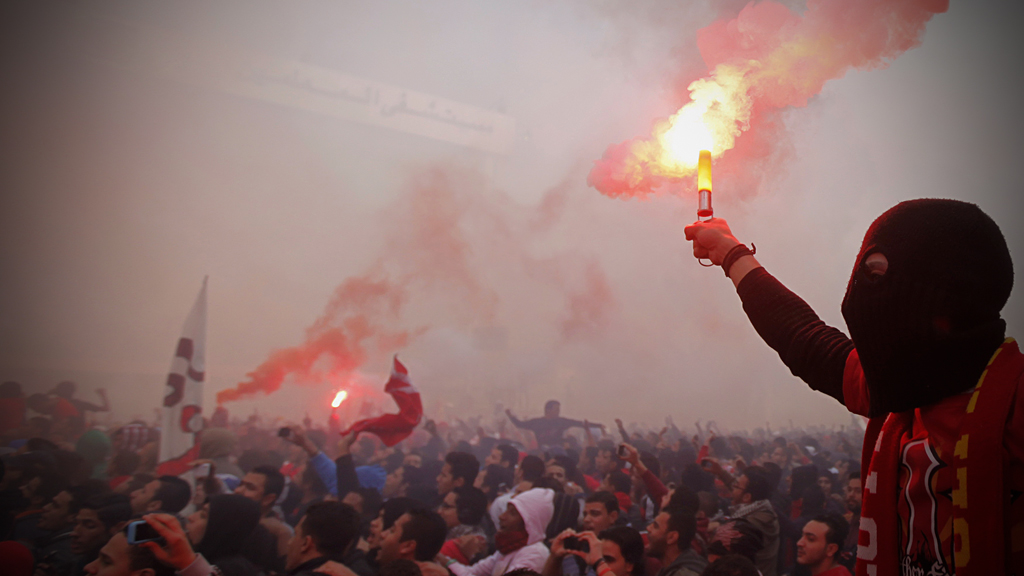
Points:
(875, 265)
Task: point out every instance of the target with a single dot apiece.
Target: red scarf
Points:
(979, 490)
(508, 542)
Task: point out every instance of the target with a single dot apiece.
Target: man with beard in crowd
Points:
(927, 360)
(668, 540)
(165, 494)
(820, 545)
(750, 493)
(264, 485)
(503, 455)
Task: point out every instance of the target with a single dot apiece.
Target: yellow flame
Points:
(339, 398)
(686, 136)
(704, 171)
(718, 112)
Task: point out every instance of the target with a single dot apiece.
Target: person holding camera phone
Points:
(616, 551)
(211, 541)
(646, 482)
(119, 558)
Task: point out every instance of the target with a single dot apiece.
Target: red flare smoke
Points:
(339, 342)
(442, 236)
(589, 309)
(765, 59)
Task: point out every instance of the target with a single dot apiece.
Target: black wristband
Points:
(738, 251)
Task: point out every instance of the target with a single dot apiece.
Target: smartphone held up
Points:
(140, 531)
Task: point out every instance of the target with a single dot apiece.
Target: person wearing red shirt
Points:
(12, 407)
(928, 362)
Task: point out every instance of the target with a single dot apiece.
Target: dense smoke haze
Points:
(365, 179)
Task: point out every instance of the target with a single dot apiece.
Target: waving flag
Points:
(182, 418)
(393, 428)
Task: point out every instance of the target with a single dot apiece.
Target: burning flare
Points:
(339, 398)
(704, 210)
(765, 59)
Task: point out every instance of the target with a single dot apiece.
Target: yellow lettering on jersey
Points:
(961, 447)
(960, 490)
(962, 539)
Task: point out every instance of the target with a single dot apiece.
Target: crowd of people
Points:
(549, 495)
(927, 363)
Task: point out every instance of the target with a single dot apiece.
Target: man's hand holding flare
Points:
(712, 240)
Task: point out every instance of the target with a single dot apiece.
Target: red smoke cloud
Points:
(588, 309)
(445, 237)
(348, 332)
(765, 59)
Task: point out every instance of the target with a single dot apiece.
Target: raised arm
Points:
(515, 421)
(589, 435)
(812, 350)
(345, 468)
(319, 461)
(655, 488)
(570, 423)
(622, 430)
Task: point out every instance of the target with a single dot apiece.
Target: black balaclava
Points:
(926, 328)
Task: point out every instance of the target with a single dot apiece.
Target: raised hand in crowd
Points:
(346, 442)
(298, 437)
(471, 544)
(176, 550)
(622, 430)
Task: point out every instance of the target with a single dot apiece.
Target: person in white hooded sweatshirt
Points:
(520, 537)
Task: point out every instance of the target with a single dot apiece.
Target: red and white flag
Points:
(182, 418)
(393, 428)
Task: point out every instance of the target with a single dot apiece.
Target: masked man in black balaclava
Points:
(926, 360)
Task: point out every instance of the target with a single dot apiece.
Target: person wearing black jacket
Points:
(928, 361)
(220, 529)
(325, 533)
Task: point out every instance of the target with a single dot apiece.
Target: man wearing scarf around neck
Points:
(928, 362)
(520, 537)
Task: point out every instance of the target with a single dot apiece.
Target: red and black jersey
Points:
(925, 475)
